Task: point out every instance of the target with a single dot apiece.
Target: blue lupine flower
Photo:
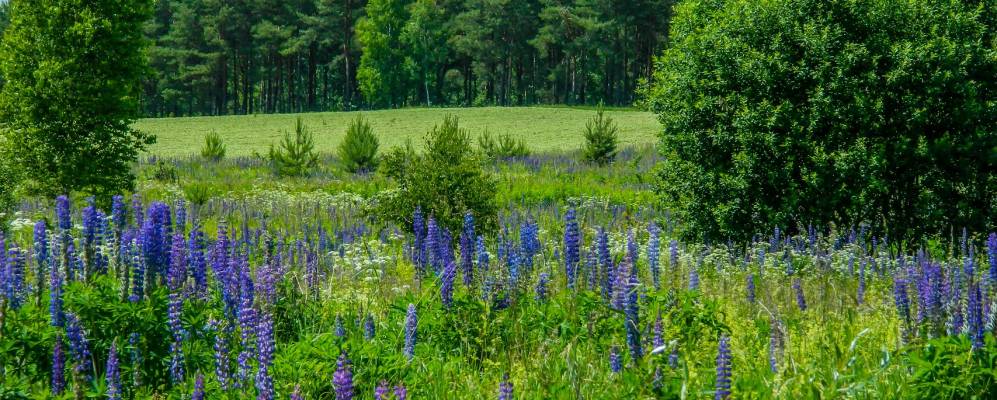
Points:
(198, 263)
(723, 369)
(62, 213)
(572, 238)
(801, 301)
(113, 374)
(992, 257)
(411, 331)
(136, 356)
(653, 254)
(632, 321)
(860, 297)
(615, 364)
(400, 392)
(382, 390)
(482, 255)
(775, 343)
(505, 391)
(264, 357)
(58, 367)
(431, 249)
(296, 394)
(750, 287)
(446, 283)
(368, 327)
(541, 289)
(221, 331)
(467, 247)
(198, 388)
(342, 380)
(340, 328)
(974, 312)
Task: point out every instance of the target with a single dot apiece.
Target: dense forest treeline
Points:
(211, 57)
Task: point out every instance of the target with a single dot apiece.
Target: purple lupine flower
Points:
(482, 255)
(467, 238)
(751, 288)
(653, 254)
(632, 321)
(801, 301)
(505, 388)
(992, 257)
(615, 364)
(974, 312)
(419, 229)
(621, 285)
(41, 250)
(342, 380)
(860, 297)
(56, 313)
(177, 371)
(659, 337)
(198, 263)
(606, 262)
(296, 394)
(247, 325)
(181, 216)
(368, 327)
(137, 212)
(632, 248)
(775, 343)
(572, 238)
(118, 218)
(431, 245)
(222, 331)
(446, 284)
(411, 331)
(62, 213)
(673, 254)
(694, 278)
(136, 356)
(113, 374)
(58, 367)
(541, 289)
(901, 299)
(381, 391)
(12, 275)
(264, 353)
(340, 329)
(723, 368)
(198, 388)
(79, 346)
(673, 358)
(400, 392)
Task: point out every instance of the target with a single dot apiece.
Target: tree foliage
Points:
(73, 72)
(446, 180)
(810, 111)
(600, 139)
(358, 150)
(214, 148)
(295, 155)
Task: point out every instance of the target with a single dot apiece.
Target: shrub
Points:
(214, 148)
(859, 112)
(505, 148)
(445, 181)
(358, 151)
(600, 139)
(296, 155)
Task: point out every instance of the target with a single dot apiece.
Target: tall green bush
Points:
(504, 148)
(214, 148)
(295, 156)
(787, 112)
(445, 181)
(600, 138)
(358, 150)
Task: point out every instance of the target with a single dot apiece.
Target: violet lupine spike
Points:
(673, 358)
(137, 212)
(482, 255)
(541, 289)
(411, 331)
(222, 330)
(632, 248)
(79, 346)
(632, 321)
(605, 262)
(447, 283)
(340, 330)
(264, 352)
(860, 296)
(368, 327)
(801, 301)
(621, 285)
(693, 279)
(62, 213)
(247, 327)
(181, 216)
(382, 391)
(615, 363)
(198, 388)
(901, 299)
(572, 238)
(659, 338)
(750, 288)
(974, 311)
(467, 247)
(177, 370)
(41, 252)
(653, 254)
(113, 373)
(296, 394)
(992, 257)
(431, 244)
(342, 380)
(136, 358)
(58, 367)
(775, 341)
(56, 313)
(723, 369)
(138, 270)
(198, 263)
(400, 392)
(505, 391)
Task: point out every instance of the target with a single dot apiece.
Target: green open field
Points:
(543, 128)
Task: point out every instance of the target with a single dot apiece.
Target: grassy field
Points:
(543, 128)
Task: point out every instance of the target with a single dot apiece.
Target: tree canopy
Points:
(792, 112)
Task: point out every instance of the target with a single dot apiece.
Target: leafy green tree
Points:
(295, 156)
(384, 75)
(445, 181)
(600, 139)
(73, 72)
(358, 150)
(794, 112)
(425, 35)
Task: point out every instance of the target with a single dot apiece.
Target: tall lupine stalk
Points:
(467, 247)
(632, 321)
(56, 315)
(902, 301)
(775, 344)
(974, 313)
(801, 301)
(572, 238)
(447, 284)
(860, 295)
(79, 347)
(750, 288)
(198, 388)
(222, 331)
(118, 224)
(419, 245)
(342, 380)
(654, 253)
(723, 368)
(530, 242)
(615, 363)
(482, 256)
(992, 258)
(175, 280)
(113, 373)
(411, 331)
(135, 343)
(139, 276)
(265, 349)
(42, 259)
(155, 233)
(91, 226)
(540, 294)
(58, 367)
(505, 391)
(432, 244)
(198, 262)
(13, 277)
(673, 260)
(247, 326)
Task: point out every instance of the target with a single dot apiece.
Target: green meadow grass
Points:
(542, 128)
